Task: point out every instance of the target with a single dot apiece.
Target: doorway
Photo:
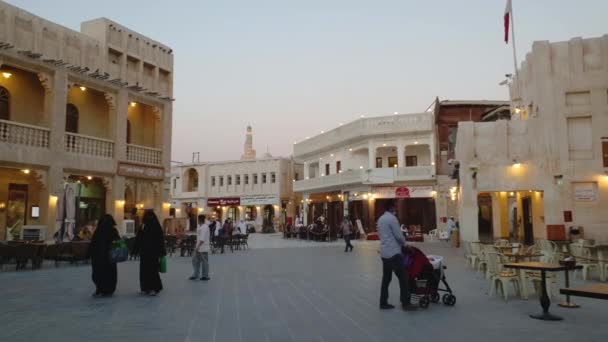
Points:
(527, 219)
(484, 217)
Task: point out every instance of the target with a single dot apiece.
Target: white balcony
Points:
(21, 134)
(369, 176)
(144, 155)
(88, 145)
(346, 177)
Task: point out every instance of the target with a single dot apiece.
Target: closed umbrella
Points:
(70, 211)
(60, 216)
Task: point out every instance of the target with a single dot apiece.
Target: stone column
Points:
(120, 124)
(432, 152)
(305, 209)
(306, 170)
(54, 186)
(371, 153)
(58, 103)
(400, 153)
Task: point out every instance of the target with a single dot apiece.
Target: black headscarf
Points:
(151, 238)
(105, 233)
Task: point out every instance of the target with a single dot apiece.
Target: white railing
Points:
(414, 171)
(92, 146)
(22, 134)
(144, 155)
(346, 177)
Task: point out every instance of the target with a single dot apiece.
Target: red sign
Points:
(567, 216)
(402, 192)
(212, 202)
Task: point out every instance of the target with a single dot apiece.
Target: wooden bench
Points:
(597, 291)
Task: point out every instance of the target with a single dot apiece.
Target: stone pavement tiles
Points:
(275, 294)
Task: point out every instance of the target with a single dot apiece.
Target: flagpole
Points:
(515, 64)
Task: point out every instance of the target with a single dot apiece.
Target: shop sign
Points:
(585, 192)
(404, 192)
(140, 171)
(259, 199)
(212, 202)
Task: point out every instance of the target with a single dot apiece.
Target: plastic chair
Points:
(551, 277)
(473, 257)
(498, 275)
(579, 251)
(602, 254)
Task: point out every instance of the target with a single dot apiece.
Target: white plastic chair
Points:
(579, 251)
(497, 275)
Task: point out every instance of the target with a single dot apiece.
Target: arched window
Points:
(192, 177)
(5, 99)
(71, 118)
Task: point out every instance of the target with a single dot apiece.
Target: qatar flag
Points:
(507, 19)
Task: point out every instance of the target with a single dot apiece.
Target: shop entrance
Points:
(528, 221)
(485, 218)
(419, 212)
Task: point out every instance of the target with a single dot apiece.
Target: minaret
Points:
(248, 151)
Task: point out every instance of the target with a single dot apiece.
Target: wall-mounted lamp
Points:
(558, 179)
(120, 203)
(82, 88)
(6, 74)
(26, 171)
(133, 104)
(2, 206)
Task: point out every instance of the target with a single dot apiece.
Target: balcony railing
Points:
(144, 155)
(87, 145)
(346, 177)
(22, 134)
(370, 176)
(414, 171)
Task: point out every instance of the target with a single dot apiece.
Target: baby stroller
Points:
(425, 275)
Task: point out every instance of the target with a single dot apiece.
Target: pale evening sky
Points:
(292, 68)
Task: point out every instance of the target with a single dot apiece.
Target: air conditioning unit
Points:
(128, 228)
(33, 233)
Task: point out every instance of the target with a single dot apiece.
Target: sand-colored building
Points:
(354, 169)
(88, 110)
(256, 190)
(547, 168)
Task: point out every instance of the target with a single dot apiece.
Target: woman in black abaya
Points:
(104, 270)
(151, 247)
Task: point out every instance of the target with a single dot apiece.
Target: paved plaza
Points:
(275, 294)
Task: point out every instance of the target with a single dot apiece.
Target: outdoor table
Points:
(598, 291)
(518, 257)
(545, 301)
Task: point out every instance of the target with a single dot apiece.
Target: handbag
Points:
(119, 251)
(163, 264)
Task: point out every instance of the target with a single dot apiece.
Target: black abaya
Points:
(151, 247)
(104, 271)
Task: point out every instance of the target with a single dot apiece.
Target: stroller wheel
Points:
(435, 298)
(449, 299)
(424, 302)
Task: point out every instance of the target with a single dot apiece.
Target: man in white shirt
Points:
(243, 227)
(200, 260)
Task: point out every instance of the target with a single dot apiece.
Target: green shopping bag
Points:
(163, 264)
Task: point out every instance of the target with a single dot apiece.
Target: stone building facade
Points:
(259, 191)
(353, 169)
(546, 170)
(89, 109)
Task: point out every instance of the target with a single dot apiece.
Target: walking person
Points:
(151, 247)
(391, 243)
(104, 270)
(200, 260)
(347, 232)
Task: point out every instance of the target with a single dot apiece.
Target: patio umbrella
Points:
(70, 211)
(60, 216)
